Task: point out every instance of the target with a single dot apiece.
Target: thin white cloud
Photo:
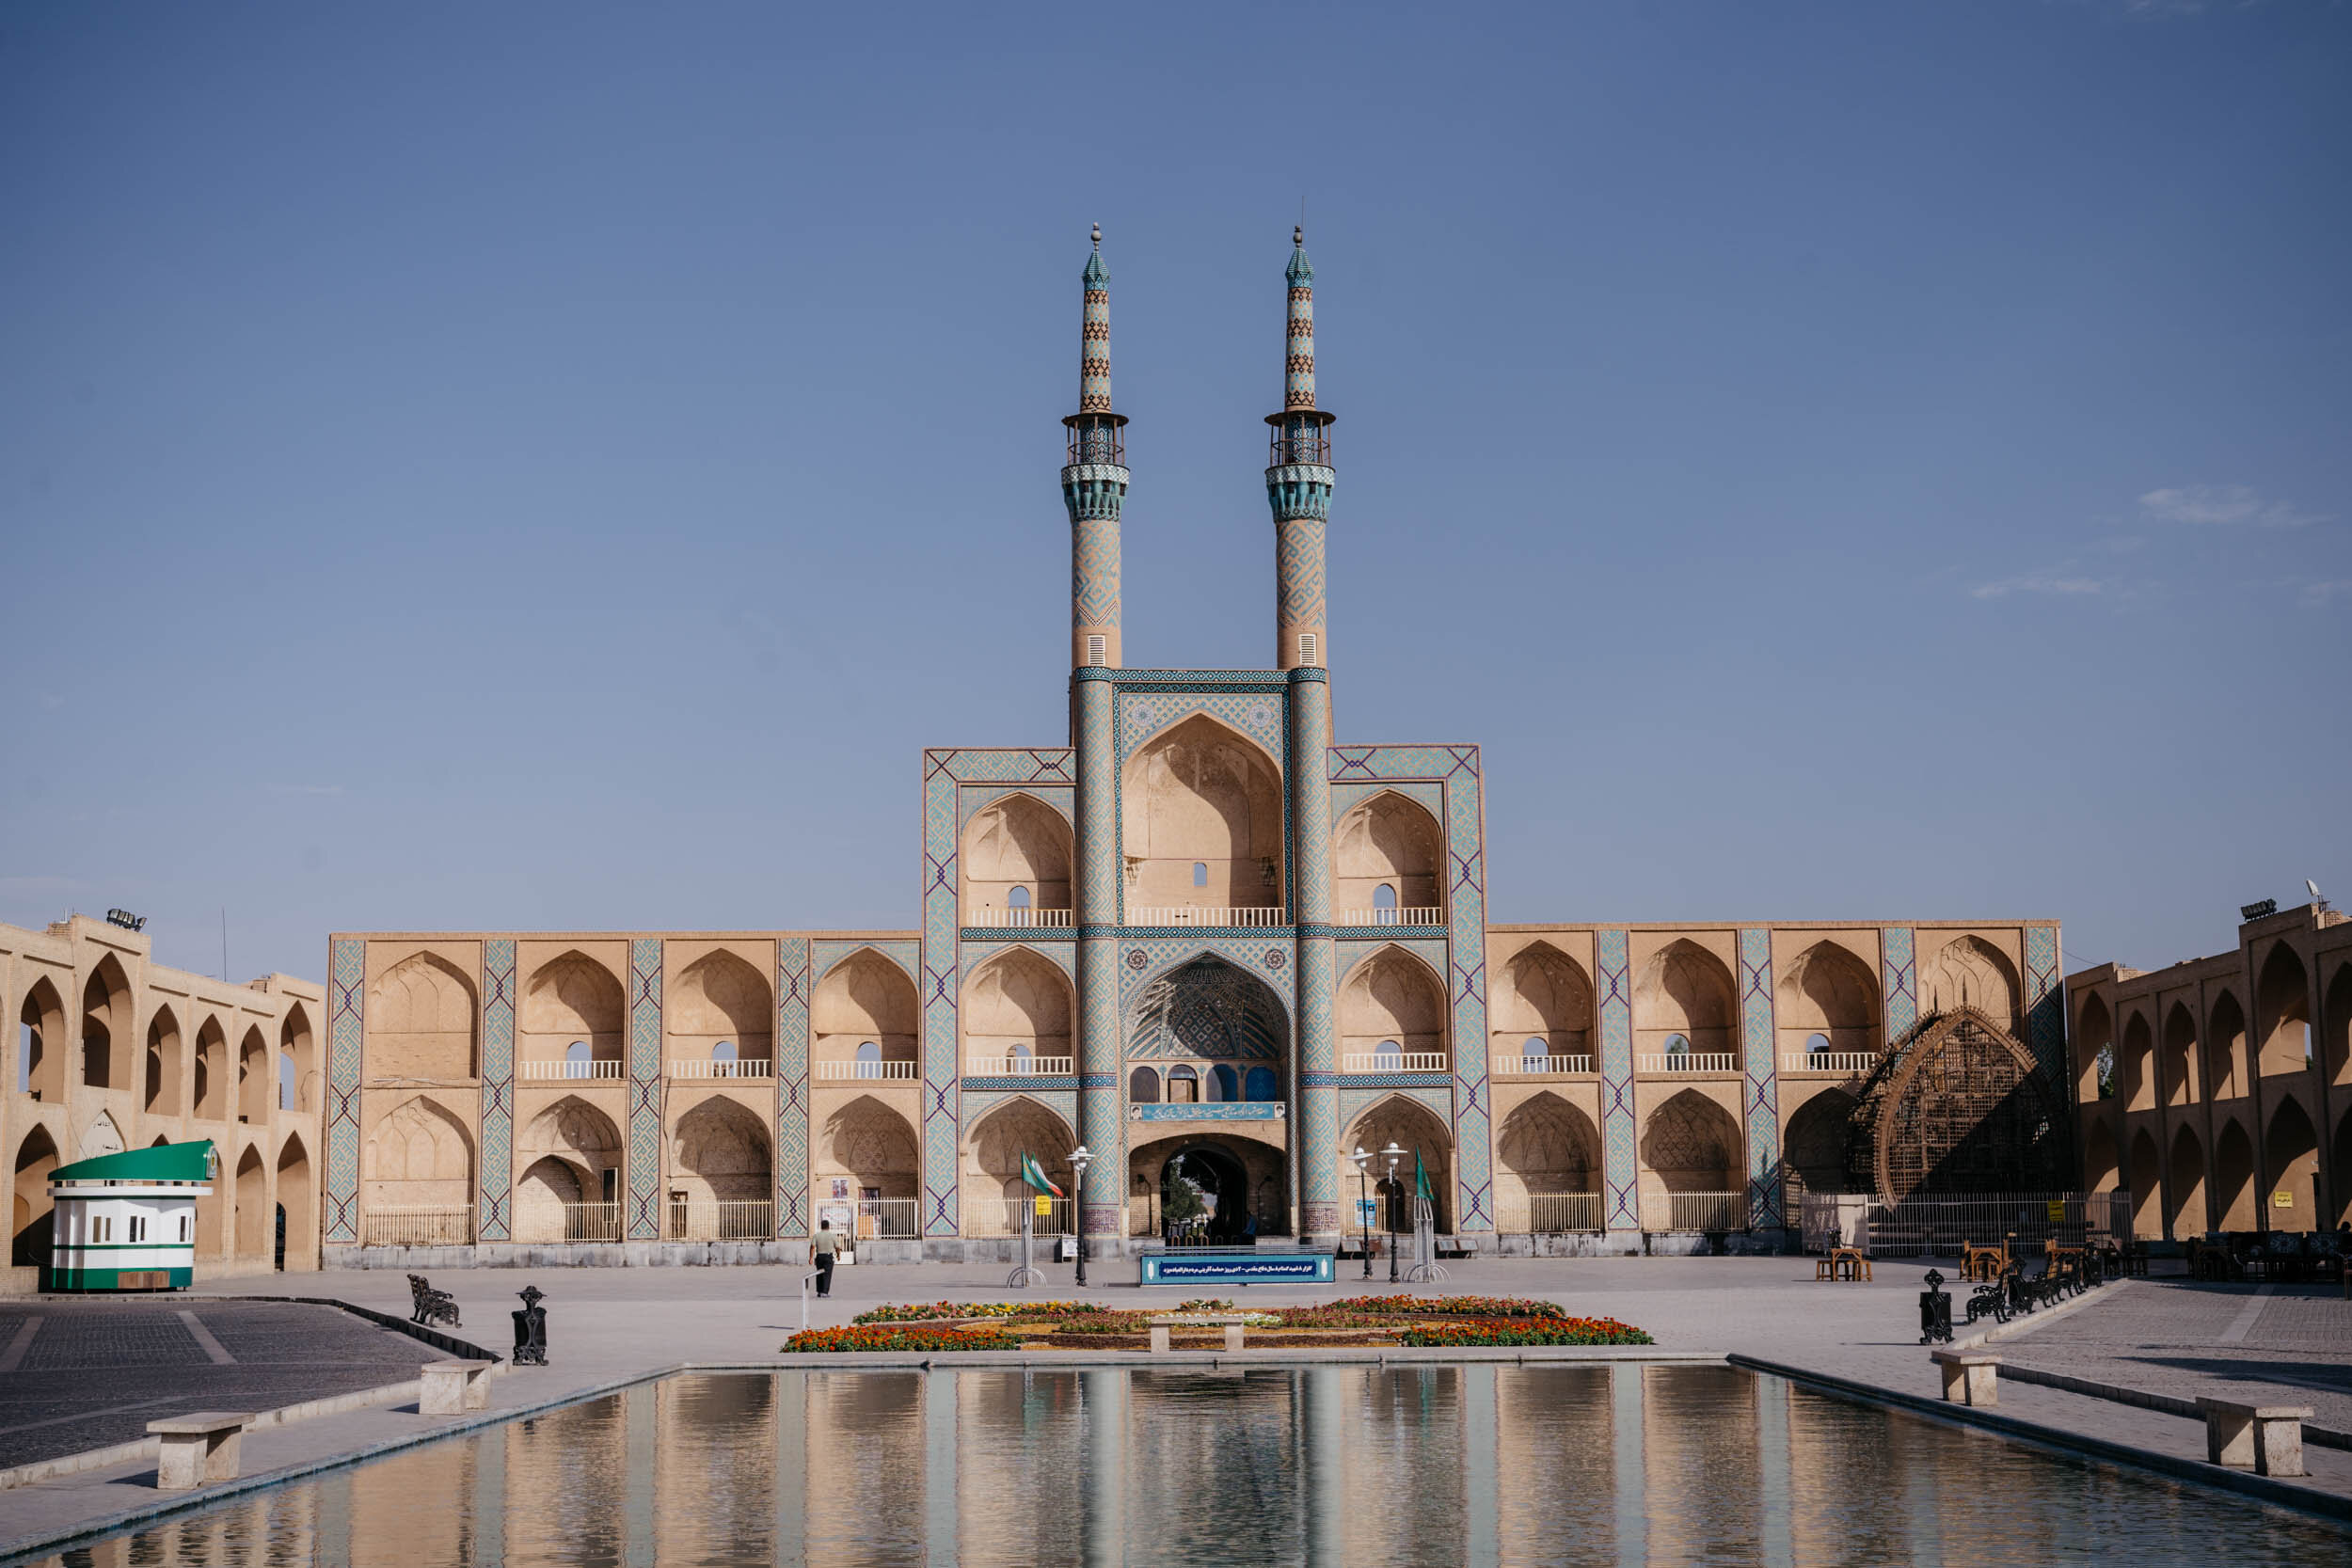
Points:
(2039, 582)
(2222, 506)
(305, 789)
(2321, 595)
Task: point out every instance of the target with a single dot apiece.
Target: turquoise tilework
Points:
(1900, 969)
(1621, 1177)
(493, 1207)
(793, 1088)
(346, 1008)
(978, 1102)
(1761, 1082)
(971, 799)
(2045, 1009)
(645, 1089)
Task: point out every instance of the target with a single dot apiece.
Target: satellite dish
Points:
(2315, 887)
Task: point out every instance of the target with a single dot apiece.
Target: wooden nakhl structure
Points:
(1958, 1107)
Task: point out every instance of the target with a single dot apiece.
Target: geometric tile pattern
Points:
(1901, 966)
(645, 1089)
(498, 1091)
(1621, 1174)
(1298, 559)
(994, 944)
(1257, 714)
(347, 978)
(1314, 967)
(973, 798)
(978, 1102)
(791, 1048)
(1356, 950)
(2045, 1007)
(1096, 893)
(1143, 959)
(1760, 1089)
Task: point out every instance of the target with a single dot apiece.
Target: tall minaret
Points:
(1299, 481)
(1094, 483)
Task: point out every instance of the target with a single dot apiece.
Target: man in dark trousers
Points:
(821, 1250)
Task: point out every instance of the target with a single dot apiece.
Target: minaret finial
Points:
(1094, 479)
(1298, 479)
(1098, 236)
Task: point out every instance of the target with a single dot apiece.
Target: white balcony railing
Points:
(1694, 1210)
(1188, 914)
(1388, 917)
(1844, 1063)
(419, 1225)
(705, 1067)
(725, 1219)
(529, 1071)
(894, 1071)
(1531, 1067)
(1001, 1216)
(1393, 1061)
(989, 914)
(1006, 1067)
(1688, 1061)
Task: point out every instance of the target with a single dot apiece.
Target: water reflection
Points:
(1324, 1466)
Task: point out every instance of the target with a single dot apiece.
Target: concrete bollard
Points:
(199, 1449)
(453, 1387)
(1970, 1376)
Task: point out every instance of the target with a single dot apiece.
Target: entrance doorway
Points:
(1204, 1199)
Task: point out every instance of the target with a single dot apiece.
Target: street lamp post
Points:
(1080, 1158)
(1363, 1202)
(1392, 1154)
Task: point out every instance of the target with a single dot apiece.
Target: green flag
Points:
(1034, 1174)
(1420, 1177)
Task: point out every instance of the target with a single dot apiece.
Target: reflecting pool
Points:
(1344, 1466)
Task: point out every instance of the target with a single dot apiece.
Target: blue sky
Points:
(555, 466)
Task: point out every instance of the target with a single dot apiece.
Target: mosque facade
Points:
(1216, 944)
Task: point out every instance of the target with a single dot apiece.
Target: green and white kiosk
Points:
(127, 1222)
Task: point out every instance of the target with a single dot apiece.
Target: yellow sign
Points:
(2058, 1211)
(2283, 1199)
(1044, 1206)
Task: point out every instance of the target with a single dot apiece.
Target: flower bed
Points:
(924, 1311)
(1452, 1306)
(890, 1337)
(1525, 1331)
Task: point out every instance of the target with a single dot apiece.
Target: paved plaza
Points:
(609, 1327)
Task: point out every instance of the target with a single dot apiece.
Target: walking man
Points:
(821, 1250)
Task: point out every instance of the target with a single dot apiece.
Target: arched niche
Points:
(298, 1042)
(1389, 842)
(28, 1217)
(582, 1137)
(256, 1215)
(2136, 1064)
(1541, 994)
(2291, 1158)
(1827, 990)
(2336, 1040)
(165, 1066)
(1412, 1127)
(2178, 1068)
(256, 1077)
(571, 998)
(1685, 990)
(105, 1042)
(2094, 1051)
(1971, 971)
(2282, 1008)
(1692, 1145)
(1016, 1012)
(2225, 1054)
(2147, 1186)
(423, 1022)
(296, 1196)
(873, 1147)
(865, 999)
(2233, 1195)
(1014, 841)
(721, 1154)
(2186, 1212)
(419, 1155)
(210, 1081)
(1393, 999)
(1814, 1152)
(42, 1047)
(720, 998)
(2102, 1162)
(1200, 816)
(1547, 1154)
(992, 1185)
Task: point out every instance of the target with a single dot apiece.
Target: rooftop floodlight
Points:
(2261, 911)
(125, 918)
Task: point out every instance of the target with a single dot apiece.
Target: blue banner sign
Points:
(1213, 1110)
(1239, 1267)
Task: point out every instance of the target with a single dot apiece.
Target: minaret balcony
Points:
(1252, 917)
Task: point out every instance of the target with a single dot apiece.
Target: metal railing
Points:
(1939, 1225)
(888, 1219)
(1547, 1213)
(1393, 1061)
(1688, 1061)
(1846, 1064)
(1694, 1210)
(904, 1071)
(591, 1222)
(705, 1067)
(612, 1069)
(418, 1224)
(1008, 1067)
(1188, 914)
(1001, 1216)
(1413, 916)
(1529, 1067)
(990, 914)
(724, 1219)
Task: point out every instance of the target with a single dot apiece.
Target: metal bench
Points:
(1231, 1322)
(1970, 1376)
(2266, 1439)
(429, 1306)
(453, 1387)
(204, 1447)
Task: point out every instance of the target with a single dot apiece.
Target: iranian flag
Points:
(1034, 1174)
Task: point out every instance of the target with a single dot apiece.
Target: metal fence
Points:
(583, 1222)
(888, 1219)
(1694, 1210)
(1939, 1225)
(1001, 1216)
(726, 1219)
(419, 1225)
(1547, 1213)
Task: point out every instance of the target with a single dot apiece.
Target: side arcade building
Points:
(1217, 946)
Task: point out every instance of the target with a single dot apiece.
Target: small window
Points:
(1184, 1086)
(185, 1223)
(1018, 898)
(1224, 1082)
(1815, 1045)
(1022, 1056)
(1309, 649)
(1678, 1045)
(1259, 1084)
(576, 1057)
(1200, 873)
(1384, 905)
(869, 1060)
(1143, 1086)
(138, 1227)
(722, 1052)
(1535, 1051)
(100, 1228)
(1389, 1056)
(1098, 649)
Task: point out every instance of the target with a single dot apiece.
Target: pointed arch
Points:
(2234, 1197)
(2225, 1052)
(106, 1026)
(256, 1077)
(1547, 1152)
(2179, 1069)
(2185, 1213)
(297, 1197)
(1541, 994)
(255, 1213)
(1395, 1000)
(2136, 1064)
(2336, 1039)
(1202, 796)
(101, 1136)
(866, 999)
(41, 1046)
(1388, 841)
(209, 1082)
(578, 1134)
(298, 1044)
(871, 1144)
(992, 1150)
(1971, 971)
(573, 995)
(1685, 990)
(1401, 1120)
(721, 1154)
(2094, 1051)
(1826, 990)
(2282, 1011)
(1014, 841)
(2102, 1162)
(422, 1022)
(1814, 1151)
(2147, 1186)
(419, 1155)
(2291, 1158)
(29, 1206)
(720, 999)
(571, 1156)
(166, 1065)
(1016, 1010)
(1692, 1145)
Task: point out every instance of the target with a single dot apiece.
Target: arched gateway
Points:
(1208, 1129)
